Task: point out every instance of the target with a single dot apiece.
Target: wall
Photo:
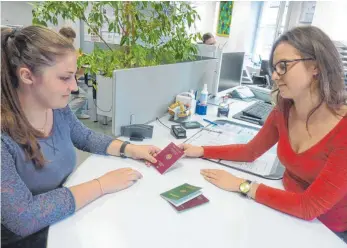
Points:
(20, 13)
(207, 14)
(295, 11)
(243, 24)
(16, 13)
(331, 17)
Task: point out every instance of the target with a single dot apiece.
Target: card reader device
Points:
(178, 132)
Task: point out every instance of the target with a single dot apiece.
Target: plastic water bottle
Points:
(204, 95)
(193, 102)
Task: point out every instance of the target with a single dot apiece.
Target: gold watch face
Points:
(245, 187)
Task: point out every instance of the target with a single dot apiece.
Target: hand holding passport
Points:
(167, 157)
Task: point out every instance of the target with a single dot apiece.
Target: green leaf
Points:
(124, 40)
(111, 27)
(155, 32)
(189, 21)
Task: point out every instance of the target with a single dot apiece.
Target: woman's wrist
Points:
(115, 146)
(253, 191)
(97, 180)
(253, 187)
(128, 151)
(202, 152)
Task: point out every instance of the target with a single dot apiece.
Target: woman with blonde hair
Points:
(39, 136)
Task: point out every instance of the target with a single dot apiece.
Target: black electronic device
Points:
(256, 113)
(191, 125)
(178, 132)
(137, 132)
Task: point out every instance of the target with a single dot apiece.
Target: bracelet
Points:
(102, 192)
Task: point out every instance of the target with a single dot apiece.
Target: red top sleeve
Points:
(328, 189)
(318, 187)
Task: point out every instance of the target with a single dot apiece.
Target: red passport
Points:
(167, 157)
(199, 200)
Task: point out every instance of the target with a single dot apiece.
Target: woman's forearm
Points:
(253, 191)
(86, 192)
(114, 148)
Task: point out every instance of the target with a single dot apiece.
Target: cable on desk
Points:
(162, 123)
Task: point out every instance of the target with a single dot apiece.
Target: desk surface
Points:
(139, 217)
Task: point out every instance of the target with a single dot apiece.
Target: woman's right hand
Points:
(192, 151)
(118, 180)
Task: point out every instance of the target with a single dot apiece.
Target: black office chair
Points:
(264, 68)
(264, 78)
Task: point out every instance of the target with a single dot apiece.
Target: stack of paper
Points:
(184, 197)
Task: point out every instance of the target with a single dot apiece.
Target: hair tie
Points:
(13, 32)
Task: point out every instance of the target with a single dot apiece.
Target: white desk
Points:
(139, 217)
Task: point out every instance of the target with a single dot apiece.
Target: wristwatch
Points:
(122, 149)
(245, 187)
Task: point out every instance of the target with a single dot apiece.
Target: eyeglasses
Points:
(281, 67)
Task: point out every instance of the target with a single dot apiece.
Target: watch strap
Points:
(122, 149)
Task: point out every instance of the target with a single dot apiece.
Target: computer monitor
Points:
(231, 71)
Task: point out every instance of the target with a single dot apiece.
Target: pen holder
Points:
(200, 109)
(223, 110)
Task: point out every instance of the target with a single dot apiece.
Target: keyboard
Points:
(259, 110)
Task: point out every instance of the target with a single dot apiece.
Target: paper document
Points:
(223, 135)
(236, 134)
(262, 166)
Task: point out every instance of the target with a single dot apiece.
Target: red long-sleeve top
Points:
(315, 180)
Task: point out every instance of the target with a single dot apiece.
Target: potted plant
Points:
(152, 33)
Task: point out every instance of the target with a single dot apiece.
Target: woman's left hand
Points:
(145, 152)
(222, 179)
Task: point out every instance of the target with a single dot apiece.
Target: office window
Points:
(271, 24)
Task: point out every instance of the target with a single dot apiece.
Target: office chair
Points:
(264, 68)
(264, 78)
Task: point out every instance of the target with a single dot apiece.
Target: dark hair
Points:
(206, 37)
(34, 47)
(311, 42)
(67, 32)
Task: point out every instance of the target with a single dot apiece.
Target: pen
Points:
(211, 122)
(211, 130)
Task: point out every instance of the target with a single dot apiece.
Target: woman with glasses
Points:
(310, 126)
